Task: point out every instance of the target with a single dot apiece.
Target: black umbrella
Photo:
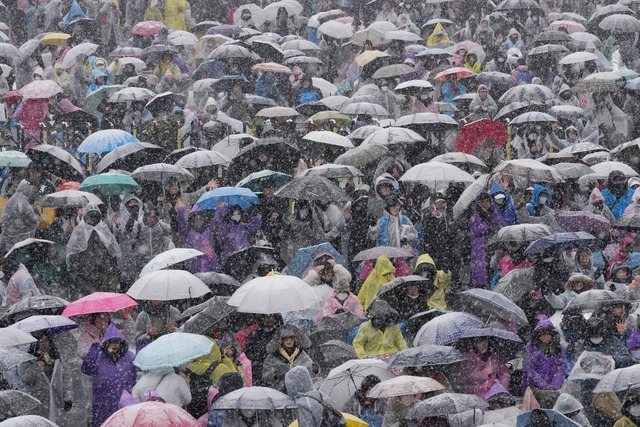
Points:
(337, 352)
(426, 355)
(335, 327)
(212, 313)
(590, 300)
(131, 156)
(163, 101)
(594, 21)
(629, 222)
(156, 49)
(395, 291)
(56, 161)
(283, 156)
(313, 188)
(514, 109)
(241, 264)
(552, 37)
(176, 155)
(517, 283)
(35, 305)
(220, 284)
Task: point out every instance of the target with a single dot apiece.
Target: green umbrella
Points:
(14, 159)
(110, 184)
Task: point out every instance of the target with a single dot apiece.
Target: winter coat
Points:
(231, 236)
(256, 350)
(51, 392)
(173, 18)
(109, 18)
(340, 274)
(478, 376)
(91, 334)
(126, 238)
(300, 234)
(110, 378)
(19, 220)
(437, 299)
(30, 113)
(614, 346)
(152, 317)
(506, 210)
(539, 214)
(275, 368)
(299, 386)
(595, 197)
(202, 241)
(383, 234)
(374, 282)
(617, 205)
(371, 341)
(170, 386)
(541, 369)
(332, 305)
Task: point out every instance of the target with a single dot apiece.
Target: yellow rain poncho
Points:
(437, 300)
(378, 277)
(201, 365)
(438, 35)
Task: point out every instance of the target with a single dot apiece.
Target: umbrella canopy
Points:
(548, 49)
(554, 418)
(426, 119)
(14, 403)
(475, 133)
(35, 305)
(517, 283)
(531, 169)
(272, 112)
(303, 259)
(28, 421)
(171, 350)
(492, 303)
(521, 233)
(605, 168)
(182, 38)
(410, 86)
(426, 355)
(274, 294)
(446, 329)
(619, 380)
(362, 156)
(578, 58)
(404, 385)
(13, 337)
(162, 172)
(50, 323)
(620, 24)
(132, 94)
(343, 381)
(313, 188)
(68, 198)
(446, 403)
(573, 170)
(105, 141)
(9, 51)
(365, 108)
(470, 194)
(629, 222)
(391, 71)
(604, 82)
(336, 29)
(337, 327)
(533, 117)
(243, 197)
(332, 171)
(27, 243)
(71, 56)
(168, 258)
(207, 315)
(581, 149)
(148, 414)
(393, 135)
(329, 138)
(459, 72)
(167, 285)
(219, 284)
(203, 159)
(257, 180)
(561, 242)
(99, 302)
(389, 251)
(464, 160)
(110, 184)
(256, 398)
(402, 35)
(584, 221)
(40, 89)
(147, 28)
(14, 159)
(128, 157)
(435, 174)
(56, 161)
(591, 300)
(527, 92)
(370, 34)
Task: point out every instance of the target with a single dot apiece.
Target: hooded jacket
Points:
(438, 35)
(476, 67)
(567, 404)
(371, 341)
(276, 365)
(506, 210)
(299, 386)
(200, 240)
(440, 282)
(544, 369)
(617, 203)
(97, 73)
(19, 220)
(597, 197)
(170, 386)
(374, 282)
(110, 378)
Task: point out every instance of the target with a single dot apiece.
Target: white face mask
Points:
(597, 340)
(341, 296)
(532, 136)
(236, 217)
(635, 410)
(543, 200)
(500, 201)
(385, 88)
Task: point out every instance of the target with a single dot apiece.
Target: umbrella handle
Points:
(508, 142)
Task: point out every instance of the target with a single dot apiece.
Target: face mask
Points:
(236, 217)
(532, 137)
(597, 340)
(635, 410)
(385, 88)
(499, 201)
(341, 296)
(543, 200)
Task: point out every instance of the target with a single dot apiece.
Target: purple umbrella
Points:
(52, 324)
(584, 221)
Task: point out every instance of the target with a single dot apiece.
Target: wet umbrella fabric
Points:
(590, 300)
(35, 305)
(168, 258)
(219, 284)
(105, 141)
(56, 161)
(495, 304)
(446, 329)
(426, 355)
(147, 414)
(274, 294)
(555, 418)
(521, 233)
(11, 357)
(12, 337)
(28, 421)
(216, 310)
(162, 173)
(561, 242)
(404, 385)
(99, 302)
(313, 188)
(128, 157)
(50, 323)
(110, 184)
(14, 403)
(243, 197)
(445, 404)
(303, 259)
(171, 350)
(69, 198)
(167, 285)
(517, 283)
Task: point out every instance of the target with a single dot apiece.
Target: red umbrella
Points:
(99, 302)
(476, 132)
(12, 97)
(147, 28)
(460, 73)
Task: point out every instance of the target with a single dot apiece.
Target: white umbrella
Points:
(344, 380)
(370, 34)
(327, 137)
(470, 194)
(578, 57)
(404, 385)
(436, 173)
(254, 398)
(270, 12)
(68, 198)
(411, 84)
(132, 94)
(326, 88)
(168, 285)
(182, 38)
(335, 102)
(81, 49)
(531, 169)
(382, 26)
(605, 168)
(460, 158)
(336, 29)
(274, 294)
(161, 172)
(203, 158)
(230, 146)
(11, 337)
(402, 35)
(256, 14)
(137, 63)
(393, 135)
(331, 170)
(619, 380)
(168, 258)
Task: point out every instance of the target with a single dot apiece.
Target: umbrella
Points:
(332, 171)
(619, 380)
(240, 263)
(303, 259)
(325, 116)
(300, 44)
(553, 159)
(553, 37)
(393, 135)
(370, 34)
(336, 29)
(13, 337)
(225, 30)
(182, 38)
(51, 323)
(365, 108)
(271, 67)
(605, 168)
(391, 71)
(426, 355)
(337, 327)
(231, 145)
(207, 315)
(40, 89)
(9, 51)
(362, 156)
(336, 352)
(284, 156)
(591, 300)
(99, 302)
(35, 305)
(203, 159)
(445, 404)
(425, 119)
(573, 170)
(273, 112)
(162, 172)
(465, 161)
(132, 94)
(344, 380)
(230, 51)
(230, 195)
(607, 81)
(569, 26)
(527, 92)
(521, 233)
(14, 403)
(125, 52)
(147, 28)
(363, 132)
(629, 222)
(93, 101)
(219, 284)
(131, 156)
(14, 159)
(394, 291)
(274, 294)
(516, 108)
(256, 398)
(369, 56)
(474, 133)
(446, 329)
(517, 283)
(167, 285)
(567, 112)
(163, 99)
(492, 303)
(531, 169)
(470, 194)
(459, 72)
(401, 35)
(110, 184)
(434, 174)
(410, 86)
(329, 138)
(547, 49)
(404, 385)
(620, 24)
(533, 117)
(171, 350)
(70, 58)
(389, 251)
(584, 221)
(150, 413)
(313, 188)
(257, 180)
(105, 141)
(554, 418)
(28, 421)
(491, 78)
(168, 258)
(580, 149)
(29, 243)
(469, 46)
(561, 242)
(578, 57)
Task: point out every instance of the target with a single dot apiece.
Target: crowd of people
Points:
(340, 213)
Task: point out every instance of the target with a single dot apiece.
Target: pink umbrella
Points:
(40, 89)
(147, 28)
(570, 26)
(273, 67)
(99, 302)
(151, 414)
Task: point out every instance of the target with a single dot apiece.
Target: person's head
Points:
(173, 187)
(288, 341)
(269, 321)
(367, 384)
(235, 214)
(584, 257)
(327, 274)
(282, 13)
(484, 200)
(617, 182)
(133, 206)
(387, 6)
(413, 291)
(394, 206)
(499, 199)
(268, 189)
(471, 58)
(483, 92)
(150, 216)
(631, 405)
(67, 212)
(101, 321)
(619, 310)
(157, 304)
(481, 345)
(167, 58)
(245, 15)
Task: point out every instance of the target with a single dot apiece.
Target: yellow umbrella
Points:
(365, 57)
(352, 421)
(55, 39)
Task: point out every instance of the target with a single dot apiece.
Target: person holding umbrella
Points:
(381, 334)
(156, 319)
(285, 352)
(483, 367)
(234, 227)
(256, 344)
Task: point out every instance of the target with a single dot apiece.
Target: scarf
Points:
(290, 358)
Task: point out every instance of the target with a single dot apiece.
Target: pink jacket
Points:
(479, 375)
(351, 304)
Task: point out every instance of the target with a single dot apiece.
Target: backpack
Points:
(331, 417)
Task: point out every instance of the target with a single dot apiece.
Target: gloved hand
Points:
(68, 405)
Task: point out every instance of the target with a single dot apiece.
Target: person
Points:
(326, 271)
(617, 196)
(393, 228)
(110, 364)
(502, 406)
(256, 344)
(630, 410)
(597, 339)
(341, 300)
(366, 408)
(383, 272)
(484, 220)
(545, 363)
(229, 382)
(197, 231)
(19, 217)
(170, 386)
(122, 224)
(303, 229)
(576, 284)
(156, 319)
(150, 236)
(173, 14)
(21, 284)
(483, 367)
(286, 350)
(381, 334)
(311, 403)
(598, 206)
(483, 103)
(234, 228)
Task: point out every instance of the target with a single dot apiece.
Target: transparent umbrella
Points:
(257, 398)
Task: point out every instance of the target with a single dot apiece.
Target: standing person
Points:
(617, 195)
(171, 387)
(234, 228)
(341, 300)
(484, 221)
(197, 231)
(285, 351)
(381, 334)
(173, 14)
(150, 236)
(383, 272)
(393, 229)
(111, 366)
(21, 284)
(483, 366)
(19, 218)
(158, 318)
(256, 344)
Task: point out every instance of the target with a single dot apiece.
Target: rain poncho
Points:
(481, 224)
(112, 374)
(598, 206)
(126, 238)
(380, 275)
(149, 241)
(97, 73)
(31, 113)
(154, 317)
(438, 35)
(299, 386)
(437, 299)
(385, 338)
(173, 14)
(568, 405)
(170, 386)
(21, 286)
(202, 241)
(506, 209)
(617, 200)
(393, 231)
(233, 236)
(19, 220)
(542, 369)
(475, 67)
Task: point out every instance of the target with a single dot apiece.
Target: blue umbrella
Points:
(105, 141)
(255, 181)
(561, 242)
(303, 259)
(213, 69)
(555, 418)
(52, 324)
(231, 196)
(446, 329)
(175, 349)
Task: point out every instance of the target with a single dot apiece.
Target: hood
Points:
(565, 88)
(194, 210)
(98, 73)
(380, 308)
(496, 389)
(113, 333)
(91, 207)
(383, 266)
(25, 188)
(386, 178)
(497, 189)
(632, 398)
(634, 340)
(298, 381)
(596, 196)
(566, 404)
(513, 32)
(544, 322)
(579, 278)
(302, 340)
(617, 266)
(438, 30)
(469, 54)
(200, 365)
(231, 381)
(424, 259)
(537, 189)
(570, 129)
